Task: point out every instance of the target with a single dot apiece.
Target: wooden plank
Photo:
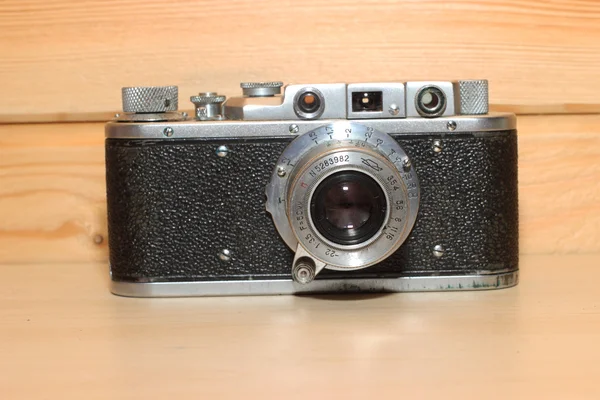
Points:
(64, 336)
(559, 183)
(52, 193)
(67, 60)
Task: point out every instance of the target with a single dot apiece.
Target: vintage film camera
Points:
(363, 187)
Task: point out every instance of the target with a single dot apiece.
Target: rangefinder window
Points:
(431, 102)
(309, 103)
(367, 101)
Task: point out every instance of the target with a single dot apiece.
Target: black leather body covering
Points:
(173, 205)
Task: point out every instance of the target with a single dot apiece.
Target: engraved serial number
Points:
(328, 162)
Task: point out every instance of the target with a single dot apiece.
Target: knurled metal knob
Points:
(207, 98)
(261, 89)
(150, 99)
(208, 106)
(473, 97)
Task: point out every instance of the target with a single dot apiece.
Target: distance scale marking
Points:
(354, 133)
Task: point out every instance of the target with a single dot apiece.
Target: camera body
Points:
(371, 187)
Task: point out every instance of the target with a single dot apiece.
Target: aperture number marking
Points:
(394, 182)
(312, 240)
(390, 232)
(331, 253)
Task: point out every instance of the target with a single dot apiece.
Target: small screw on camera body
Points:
(225, 255)
(222, 151)
(294, 128)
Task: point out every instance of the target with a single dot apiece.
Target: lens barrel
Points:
(345, 195)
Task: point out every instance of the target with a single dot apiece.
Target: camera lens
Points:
(431, 102)
(348, 207)
(309, 103)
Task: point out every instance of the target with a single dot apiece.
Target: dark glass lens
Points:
(348, 207)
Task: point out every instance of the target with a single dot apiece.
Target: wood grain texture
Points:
(66, 60)
(559, 183)
(72, 339)
(52, 192)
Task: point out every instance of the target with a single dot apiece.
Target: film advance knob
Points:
(149, 99)
(261, 89)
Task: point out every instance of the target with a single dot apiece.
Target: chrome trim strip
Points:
(285, 286)
(238, 129)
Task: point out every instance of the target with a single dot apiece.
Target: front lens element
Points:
(348, 207)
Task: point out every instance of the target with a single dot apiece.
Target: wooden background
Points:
(67, 60)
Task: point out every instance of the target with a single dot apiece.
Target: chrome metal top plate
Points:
(189, 129)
